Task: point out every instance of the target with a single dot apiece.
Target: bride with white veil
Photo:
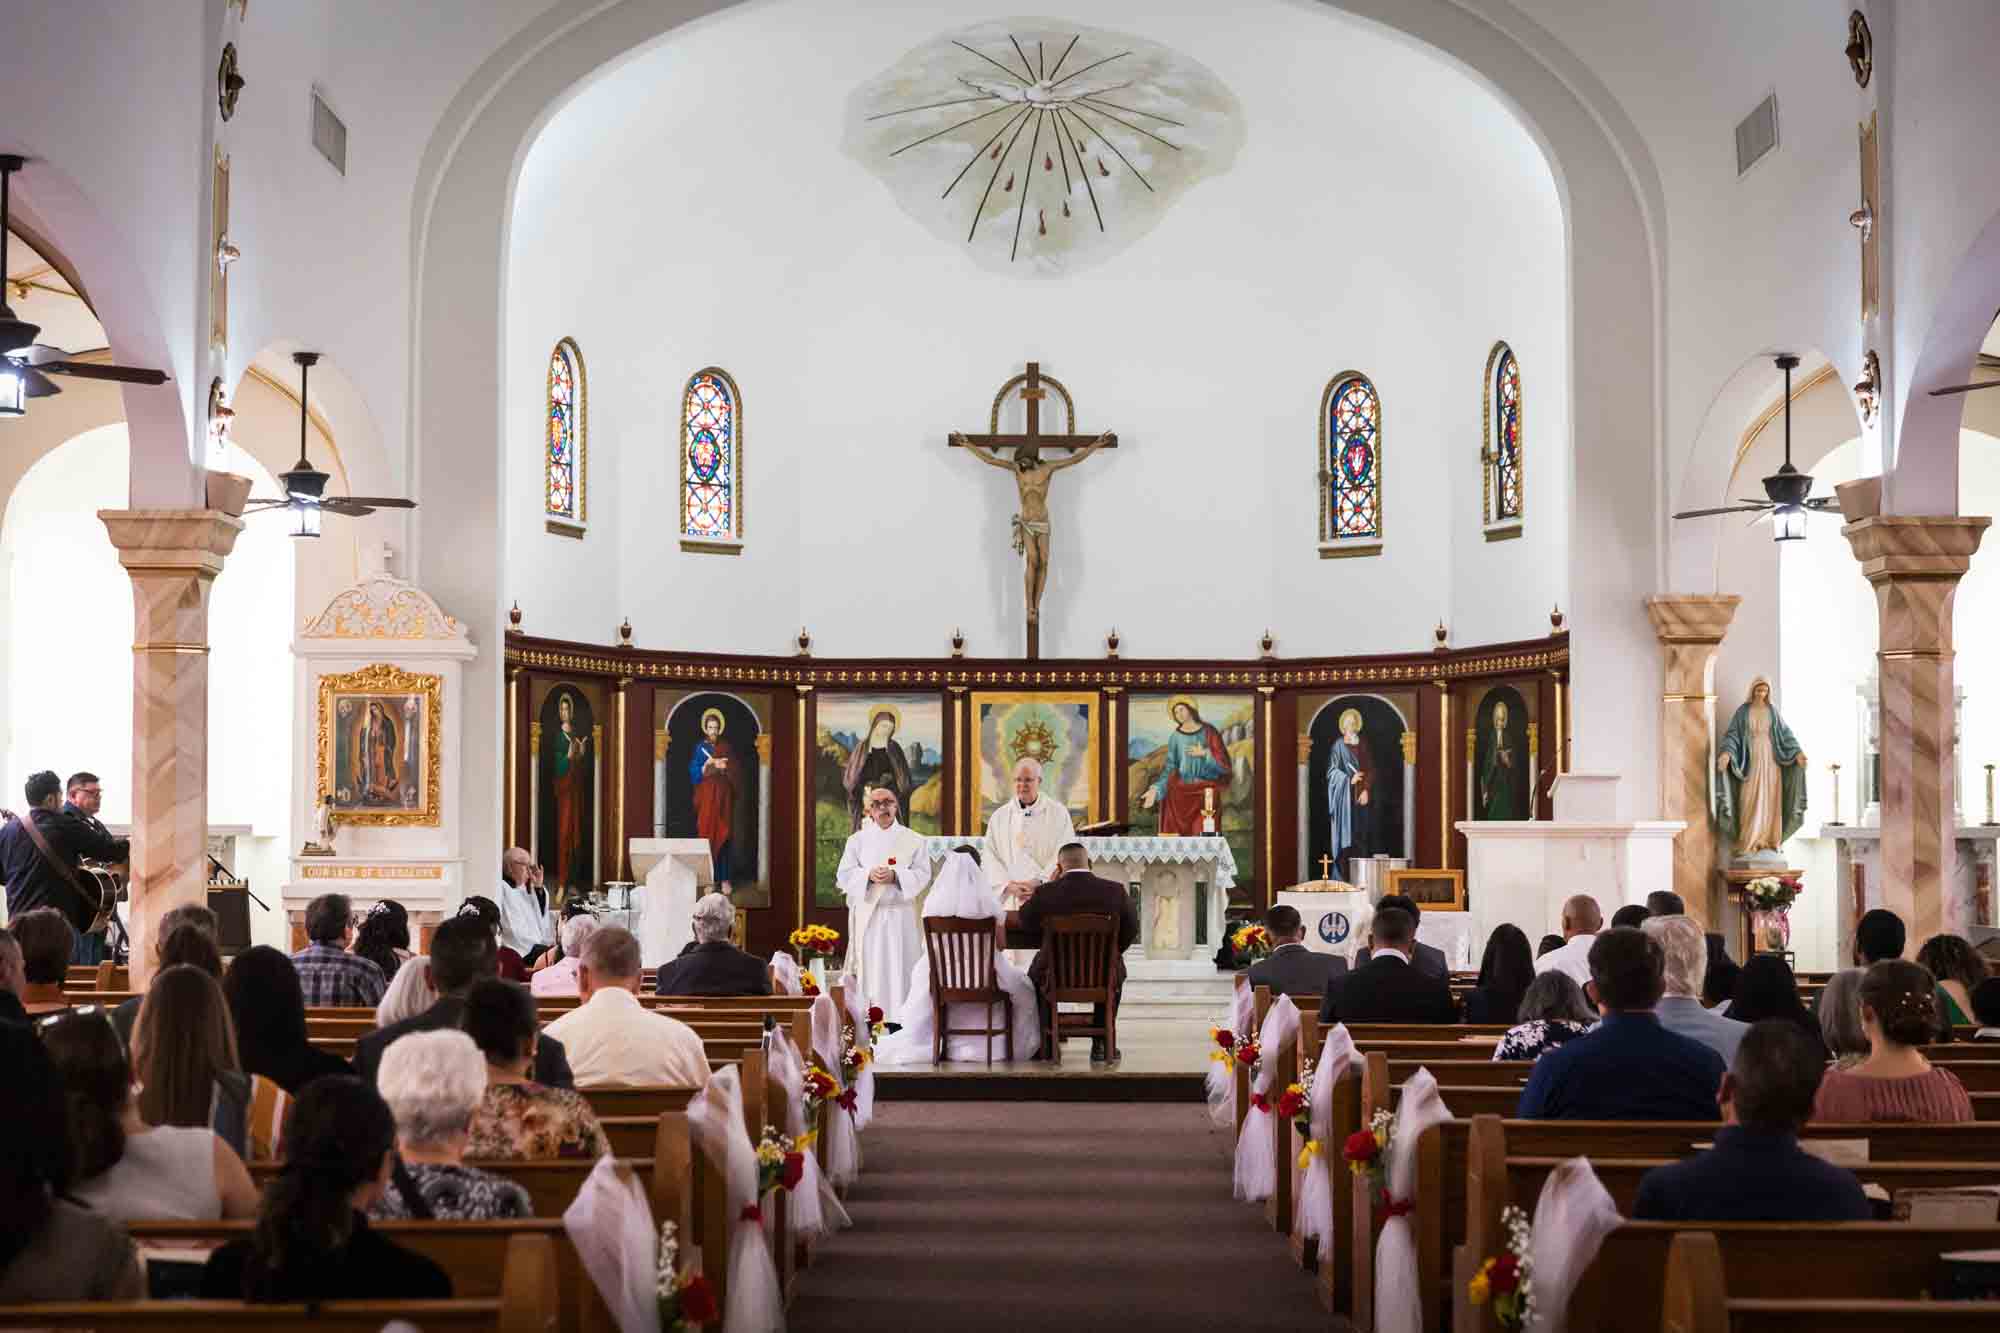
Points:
(961, 890)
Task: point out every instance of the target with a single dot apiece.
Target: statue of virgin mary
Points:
(1760, 799)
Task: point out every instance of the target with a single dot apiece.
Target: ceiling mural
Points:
(1042, 147)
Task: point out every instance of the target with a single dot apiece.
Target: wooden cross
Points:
(1031, 442)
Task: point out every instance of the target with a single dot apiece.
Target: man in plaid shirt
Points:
(330, 976)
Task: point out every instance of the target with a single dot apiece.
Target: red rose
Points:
(1225, 1039)
(892, 860)
(874, 1014)
(698, 1301)
(1506, 1274)
(1361, 1147)
(751, 1213)
(1257, 1100)
(794, 1170)
(1290, 1104)
(1247, 1053)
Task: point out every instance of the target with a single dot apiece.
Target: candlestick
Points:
(1835, 768)
(1989, 794)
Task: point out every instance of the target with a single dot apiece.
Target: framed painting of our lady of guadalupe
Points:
(379, 747)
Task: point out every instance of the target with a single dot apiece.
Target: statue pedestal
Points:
(1734, 880)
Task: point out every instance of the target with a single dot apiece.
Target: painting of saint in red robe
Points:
(566, 803)
(712, 772)
(714, 783)
(1195, 777)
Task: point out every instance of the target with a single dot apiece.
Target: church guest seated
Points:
(47, 940)
(1075, 890)
(1768, 989)
(52, 1248)
(39, 856)
(519, 1119)
(1986, 1009)
(185, 1061)
(1388, 988)
(1718, 987)
(1680, 1008)
(312, 1241)
(13, 979)
(1958, 968)
(1581, 920)
(384, 937)
(962, 890)
(511, 966)
(1840, 1019)
(330, 976)
(1547, 945)
(1879, 935)
(269, 1012)
(611, 1038)
(433, 1082)
(1756, 1172)
(1427, 959)
(558, 977)
(711, 965)
(410, 994)
(1553, 1010)
(196, 947)
(1895, 1082)
(1291, 968)
(1629, 1067)
(523, 905)
(122, 1166)
(1506, 970)
(1630, 915)
(463, 951)
(1665, 902)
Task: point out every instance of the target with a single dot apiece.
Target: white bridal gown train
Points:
(961, 890)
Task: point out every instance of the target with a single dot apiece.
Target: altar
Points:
(1181, 886)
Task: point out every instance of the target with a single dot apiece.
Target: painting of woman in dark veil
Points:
(566, 798)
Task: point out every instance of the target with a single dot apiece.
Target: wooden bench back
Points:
(1700, 1296)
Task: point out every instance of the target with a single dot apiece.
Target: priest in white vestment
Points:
(961, 890)
(882, 870)
(1023, 837)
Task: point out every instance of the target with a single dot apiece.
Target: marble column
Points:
(1690, 629)
(173, 556)
(1915, 563)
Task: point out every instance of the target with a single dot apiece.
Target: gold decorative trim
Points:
(1670, 697)
(1534, 767)
(738, 528)
(1048, 381)
(534, 738)
(555, 527)
(1270, 734)
(1562, 737)
(805, 821)
(1409, 740)
(1488, 459)
(660, 746)
(188, 649)
(618, 783)
(1444, 776)
(1329, 547)
(1471, 744)
(562, 525)
(382, 606)
(371, 872)
(513, 762)
(385, 678)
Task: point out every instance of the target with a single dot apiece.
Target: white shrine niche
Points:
(385, 636)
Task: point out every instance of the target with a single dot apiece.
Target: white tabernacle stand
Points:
(673, 872)
(1520, 871)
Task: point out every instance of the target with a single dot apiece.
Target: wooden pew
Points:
(1704, 1295)
(525, 1302)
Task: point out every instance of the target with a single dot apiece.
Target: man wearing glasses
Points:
(39, 854)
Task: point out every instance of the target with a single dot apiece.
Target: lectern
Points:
(674, 871)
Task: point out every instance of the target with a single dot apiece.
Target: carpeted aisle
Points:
(1037, 1217)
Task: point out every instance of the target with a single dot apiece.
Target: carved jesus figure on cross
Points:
(1031, 478)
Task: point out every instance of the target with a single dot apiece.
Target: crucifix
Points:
(1031, 477)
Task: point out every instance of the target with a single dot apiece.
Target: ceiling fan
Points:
(25, 365)
(1986, 362)
(1789, 489)
(304, 485)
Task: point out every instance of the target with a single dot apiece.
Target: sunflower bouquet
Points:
(815, 942)
(1251, 943)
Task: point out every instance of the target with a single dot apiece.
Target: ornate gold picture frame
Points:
(381, 745)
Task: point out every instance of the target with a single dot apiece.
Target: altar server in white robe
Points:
(882, 870)
(1023, 837)
(961, 890)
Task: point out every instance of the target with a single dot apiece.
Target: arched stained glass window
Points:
(564, 469)
(1350, 466)
(1502, 457)
(711, 462)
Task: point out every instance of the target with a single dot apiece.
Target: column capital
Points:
(1688, 618)
(1915, 546)
(177, 541)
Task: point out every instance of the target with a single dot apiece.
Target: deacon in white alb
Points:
(1023, 837)
(882, 871)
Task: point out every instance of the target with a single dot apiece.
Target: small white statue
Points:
(324, 822)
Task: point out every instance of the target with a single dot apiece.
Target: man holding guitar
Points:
(39, 857)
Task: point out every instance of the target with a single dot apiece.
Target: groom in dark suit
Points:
(1387, 988)
(1075, 890)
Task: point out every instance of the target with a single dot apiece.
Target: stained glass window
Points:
(1351, 463)
(563, 467)
(1503, 436)
(711, 459)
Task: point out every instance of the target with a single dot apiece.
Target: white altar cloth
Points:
(1337, 923)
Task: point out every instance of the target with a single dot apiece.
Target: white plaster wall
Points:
(1395, 221)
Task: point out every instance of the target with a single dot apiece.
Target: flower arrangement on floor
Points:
(781, 1161)
(1506, 1280)
(1237, 1048)
(686, 1300)
(1251, 943)
(815, 942)
(1367, 1154)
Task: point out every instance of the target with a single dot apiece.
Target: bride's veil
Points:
(961, 890)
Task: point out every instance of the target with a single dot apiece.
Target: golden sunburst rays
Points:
(1023, 112)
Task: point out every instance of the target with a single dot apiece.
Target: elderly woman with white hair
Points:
(559, 978)
(433, 1082)
(410, 994)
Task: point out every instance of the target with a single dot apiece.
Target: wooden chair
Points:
(961, 954)
(1082, 950)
